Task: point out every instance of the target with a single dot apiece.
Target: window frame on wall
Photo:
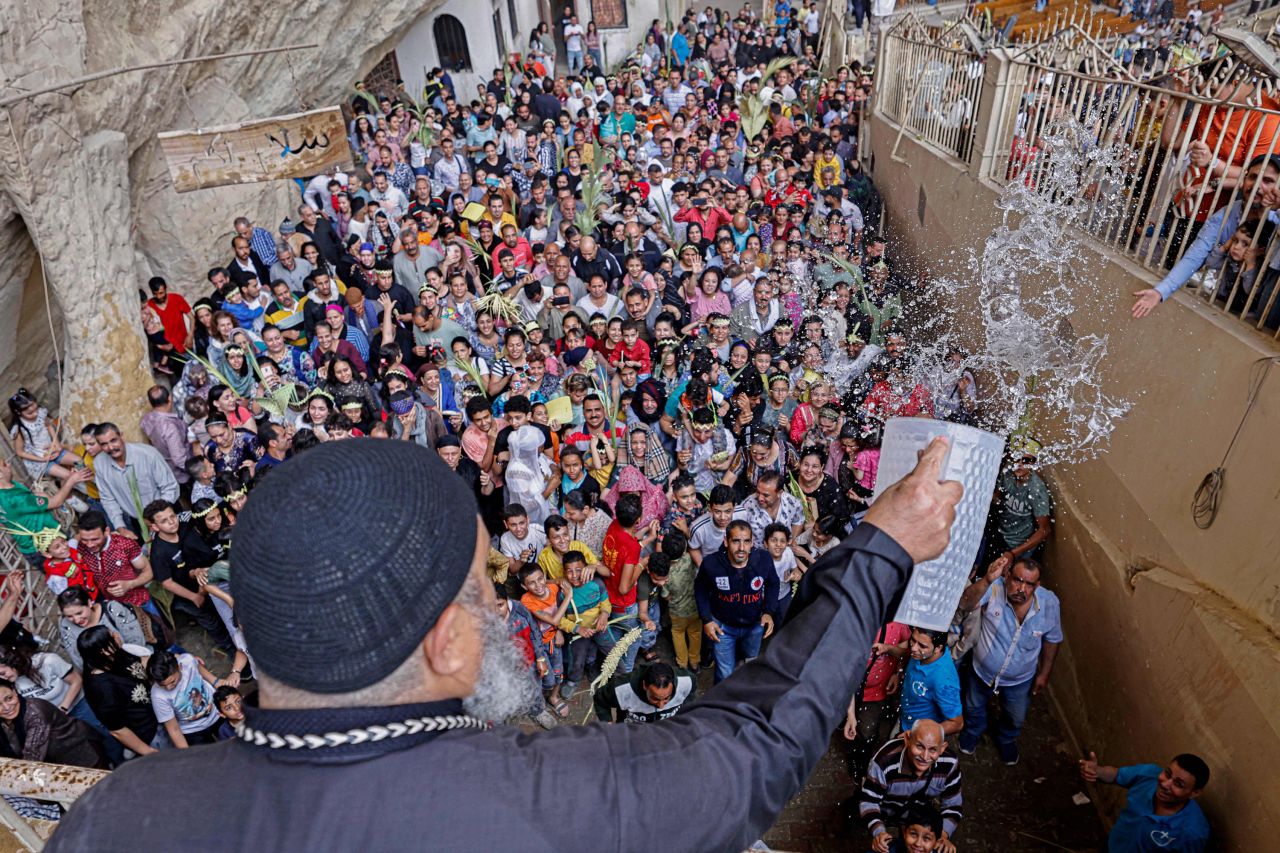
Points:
(513, 24)
(621, 5)
(441, 43)
(499, 36)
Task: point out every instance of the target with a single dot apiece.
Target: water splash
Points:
(1029, 279)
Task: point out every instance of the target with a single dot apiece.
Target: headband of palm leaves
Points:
(40, 539)
(203, 512)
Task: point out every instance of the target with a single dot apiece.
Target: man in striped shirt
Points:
(911, 770)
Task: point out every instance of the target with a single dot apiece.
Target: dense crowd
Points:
(649, 318)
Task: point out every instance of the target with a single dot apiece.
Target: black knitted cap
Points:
(344, 559)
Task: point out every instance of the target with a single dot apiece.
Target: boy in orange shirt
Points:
(548, 603)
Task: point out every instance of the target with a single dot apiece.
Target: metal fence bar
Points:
(931, 92)
(1169, 190)
(1162, 131)
(37, 608)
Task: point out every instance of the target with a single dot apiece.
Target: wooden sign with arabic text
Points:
(270, 149)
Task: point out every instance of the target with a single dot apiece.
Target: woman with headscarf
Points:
(653, 500)
(574, 103)
(234, 367)
(194, 382)
(644, 450)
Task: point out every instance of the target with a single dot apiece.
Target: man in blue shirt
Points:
(737, 593)
(1019, 629)
(931, 685)
(1258, 190)
(1159, 813)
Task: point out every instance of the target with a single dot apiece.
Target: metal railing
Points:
(1183, 155)
(58, 783)
(930, 92)
(37, 608)
(832, 42)
(1179, 146)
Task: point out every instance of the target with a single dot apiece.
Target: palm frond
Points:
(281, 400)
(498, 304)
(217, 374)
(588, 219)
(775, 65)
(473, 372)
(368, 97)
(755, 114)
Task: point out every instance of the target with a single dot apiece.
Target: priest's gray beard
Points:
(505, 687)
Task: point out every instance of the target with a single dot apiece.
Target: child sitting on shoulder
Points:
(63, 568)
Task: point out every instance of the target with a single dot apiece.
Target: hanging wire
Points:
(1204, 505)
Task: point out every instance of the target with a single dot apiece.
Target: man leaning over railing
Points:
(1263, 175)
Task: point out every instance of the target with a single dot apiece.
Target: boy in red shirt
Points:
(870, 711)
(621, 557)
(63, 568)
(633, 351)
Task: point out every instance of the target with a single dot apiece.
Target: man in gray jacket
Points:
(380, 659)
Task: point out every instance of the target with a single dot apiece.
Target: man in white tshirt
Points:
(317, 193)
(523, 540)
(573, 35)
(389, 198)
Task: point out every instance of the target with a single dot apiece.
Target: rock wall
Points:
(81, 173)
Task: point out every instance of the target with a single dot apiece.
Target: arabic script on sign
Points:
(274, 148)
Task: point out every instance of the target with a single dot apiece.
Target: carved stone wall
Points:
(82, 177)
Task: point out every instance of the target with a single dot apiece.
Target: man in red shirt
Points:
(872, 710)
(120, 568)
(621, 558)
(174, 312)
(519, 246)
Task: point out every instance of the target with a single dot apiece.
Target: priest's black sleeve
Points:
(728, 766)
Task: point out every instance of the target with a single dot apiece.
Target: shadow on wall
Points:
(26, 348)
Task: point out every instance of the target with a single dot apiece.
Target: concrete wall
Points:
(1171, 641)
(416, 51)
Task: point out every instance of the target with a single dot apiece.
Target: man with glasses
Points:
(1019, 631)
